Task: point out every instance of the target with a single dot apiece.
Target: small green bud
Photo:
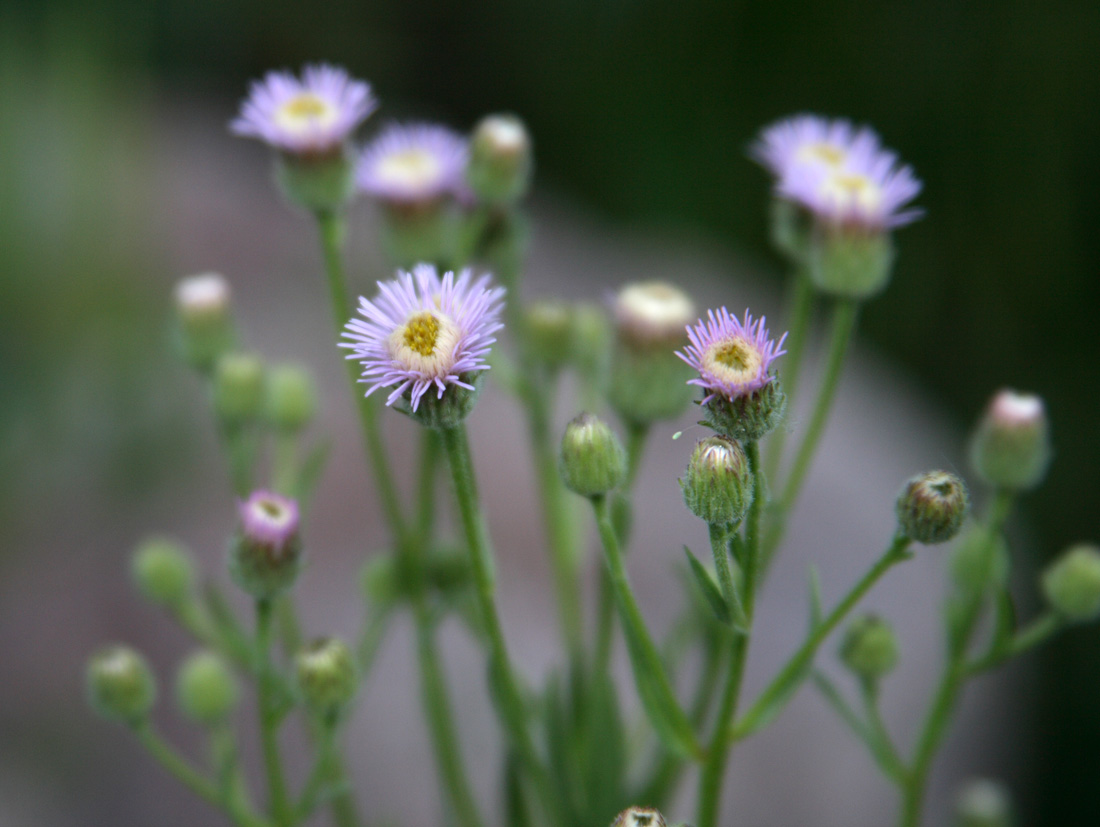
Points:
(550, 331)
(851, 262)
(163, 571)
(499, 170)
(205, 319)
(979, 560)
(266, 555)
(592, 460)
(1072, 583)
(238, 388)
(318, 183)
(932, 506)
(291, 398)
(1011, 446)
(326, 675)
(750, 417)
(869, 648)
(983, 803)
(206, 688)
(718, 485)
(639, 817)
(121, 685)
(591, 341)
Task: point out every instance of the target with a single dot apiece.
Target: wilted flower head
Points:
(732, 356)
(413, 163)
(423, 331)
(313, 115)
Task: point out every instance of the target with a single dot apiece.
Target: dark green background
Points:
(641, 110)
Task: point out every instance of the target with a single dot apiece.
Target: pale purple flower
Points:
(269, 519)
(423, 331)
(313, 115)
(414, 163)
(811, 140)
(732, 356)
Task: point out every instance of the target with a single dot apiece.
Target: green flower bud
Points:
(718, 485)
(549, 325)
(421, 231)
(592, 460)
(983, 803)
(591, 342)
(869, 648)
(1072, 583)
(750, 417)
(163, 571)
(206, 688)
(980, 560)
(266, 555)
(851, 262)
(291, 398)
(326, 675)
(205, 319)
(1011, 446)
(121, 685)
(932, 506)
(639, 817)
(238, 388)
(380, 580)
(319, 183)
(451, 409)
(499, 170)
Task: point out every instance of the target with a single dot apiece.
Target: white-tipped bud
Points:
(499, 170)
(121, 684)
(639, 817)
(983, 803)
(205, 319)
(592, 460)
(1011, 446)
(326, 675)
(932, 506)
(1072, 583)
(718, 485)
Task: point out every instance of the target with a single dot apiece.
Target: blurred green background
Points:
(642, 111)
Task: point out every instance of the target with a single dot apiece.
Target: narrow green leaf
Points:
(708, 588)
(815, 597)
(312, 468)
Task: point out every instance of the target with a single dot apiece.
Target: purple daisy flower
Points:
(810, 140)
(269, 519)
(423, 331)
(313, 115)
(732, 356)
(413, 163)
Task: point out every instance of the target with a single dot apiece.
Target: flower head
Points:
(269, 519)
(423, 331)
(810, 140)
(732, 356)
(313, 115)
(414, 163)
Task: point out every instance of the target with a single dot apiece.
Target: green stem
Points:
(281, 810)
(509, 701)
(764, 706)
(319, 775)
(284, 463)
(331, 228)
(800, 316)
(719, 549)
(1040, 630)
(885, 753)
(191, 778)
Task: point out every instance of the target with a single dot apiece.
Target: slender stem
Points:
(191, 778)
(321, 772)
(637, 433)
(886, 754)
(284, 463)
(281, 810)
(764, 706)
(845, 314)
(1038, 631)
(800, 316)
(719, 549)
(509, 701)
(331, 228)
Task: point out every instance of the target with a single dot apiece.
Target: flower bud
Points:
(718, 485)
(749, 417)
(267, 554)
(206, 688)
(983, 803)
(1011, 446)
(591, 337)
(550, 331)
(932, 506)
(238, 388)
(1072, 583)
(869, 648)
(121, 684)
(592, 461)
(205, 319)
(326, 675)
(648, 379)
(639, 817)
(163, 571)
(291, 398)
(319, 183)
(854, 263)
(499, 170)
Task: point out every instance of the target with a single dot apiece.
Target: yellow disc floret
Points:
(425, 343)
(733, 361)
(305, 112)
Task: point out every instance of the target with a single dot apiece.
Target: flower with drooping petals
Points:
(411, 164)
(731, 355)
(425, 332)
(313, 115)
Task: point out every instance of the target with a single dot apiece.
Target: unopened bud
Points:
(983, 803)
(1011, 446)
(550, 331)
(121, 684)
(639, 817)
(206, 688)
(319, 183)
(291, 398)
(869, 647)
(592, 461)
(718, 485)
(499, 170)
(267, 553)
(854, 263)
(1072, 583)
(326, 675)
(238, 388)
(163, 571)
(932, 506)
(205, 319)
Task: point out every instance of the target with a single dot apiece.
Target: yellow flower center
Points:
(425, 343)
(851, 191)
(304, 112)
(830, 155)
(413, 168)
(734, 361)
(421, 331)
